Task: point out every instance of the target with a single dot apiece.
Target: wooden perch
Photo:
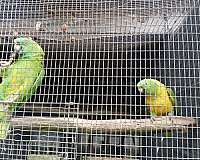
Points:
(122, 125)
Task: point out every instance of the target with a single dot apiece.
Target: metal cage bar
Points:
(88, 105)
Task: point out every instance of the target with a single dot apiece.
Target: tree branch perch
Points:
(160, 123)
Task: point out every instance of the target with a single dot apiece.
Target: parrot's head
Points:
(26, 47)
(148, 86)
(20, 44)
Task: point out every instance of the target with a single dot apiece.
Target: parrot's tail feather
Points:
(4, 128)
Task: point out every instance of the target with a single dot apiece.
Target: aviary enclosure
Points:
(88, 105)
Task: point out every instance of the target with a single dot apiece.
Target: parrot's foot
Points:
(153, 118)
(170, 117)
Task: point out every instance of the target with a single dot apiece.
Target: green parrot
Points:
(20, 79)
(160, 99)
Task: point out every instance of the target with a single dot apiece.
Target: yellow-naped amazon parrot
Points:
(20, 79)
(160, 99)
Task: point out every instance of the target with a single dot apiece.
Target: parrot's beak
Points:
(140, 89)
(17, 47)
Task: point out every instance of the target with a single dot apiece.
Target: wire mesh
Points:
(96, 51)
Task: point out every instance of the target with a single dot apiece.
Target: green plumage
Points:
(20, 80)
(159, 98)
(172, 96)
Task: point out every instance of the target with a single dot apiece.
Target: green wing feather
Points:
(173, 99)
(38, 80)
(36, 84)
(172, 96)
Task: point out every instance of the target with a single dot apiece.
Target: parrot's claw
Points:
(153, 118)
(170, 116)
